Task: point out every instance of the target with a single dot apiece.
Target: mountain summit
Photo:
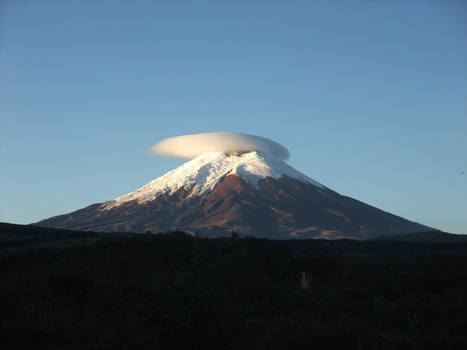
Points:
(248, 192)
(204, 173)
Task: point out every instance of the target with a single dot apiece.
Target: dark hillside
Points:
(14, 236)
(425, 236)
(171, 291)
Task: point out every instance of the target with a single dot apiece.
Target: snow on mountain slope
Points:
(203, 173)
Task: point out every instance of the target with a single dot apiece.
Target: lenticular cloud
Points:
(191, 146)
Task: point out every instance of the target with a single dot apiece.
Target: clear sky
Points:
(370, 97)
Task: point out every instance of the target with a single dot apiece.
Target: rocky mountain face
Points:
(218, 193)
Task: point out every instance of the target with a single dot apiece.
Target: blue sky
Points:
(370, 97)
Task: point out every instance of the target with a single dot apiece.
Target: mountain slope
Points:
(218, 193)
(427, 236)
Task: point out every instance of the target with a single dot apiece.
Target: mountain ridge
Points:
(218, 193)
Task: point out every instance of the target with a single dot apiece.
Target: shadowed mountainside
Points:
(426, 236)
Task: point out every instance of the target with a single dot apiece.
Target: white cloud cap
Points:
(191, 146)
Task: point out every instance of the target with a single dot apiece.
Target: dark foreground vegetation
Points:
(171, 291)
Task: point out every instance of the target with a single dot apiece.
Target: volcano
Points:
(248, 192)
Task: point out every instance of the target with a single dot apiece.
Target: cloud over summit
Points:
(192, 146)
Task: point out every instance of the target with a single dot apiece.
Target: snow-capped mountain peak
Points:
(235, 182)
(202, 174)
